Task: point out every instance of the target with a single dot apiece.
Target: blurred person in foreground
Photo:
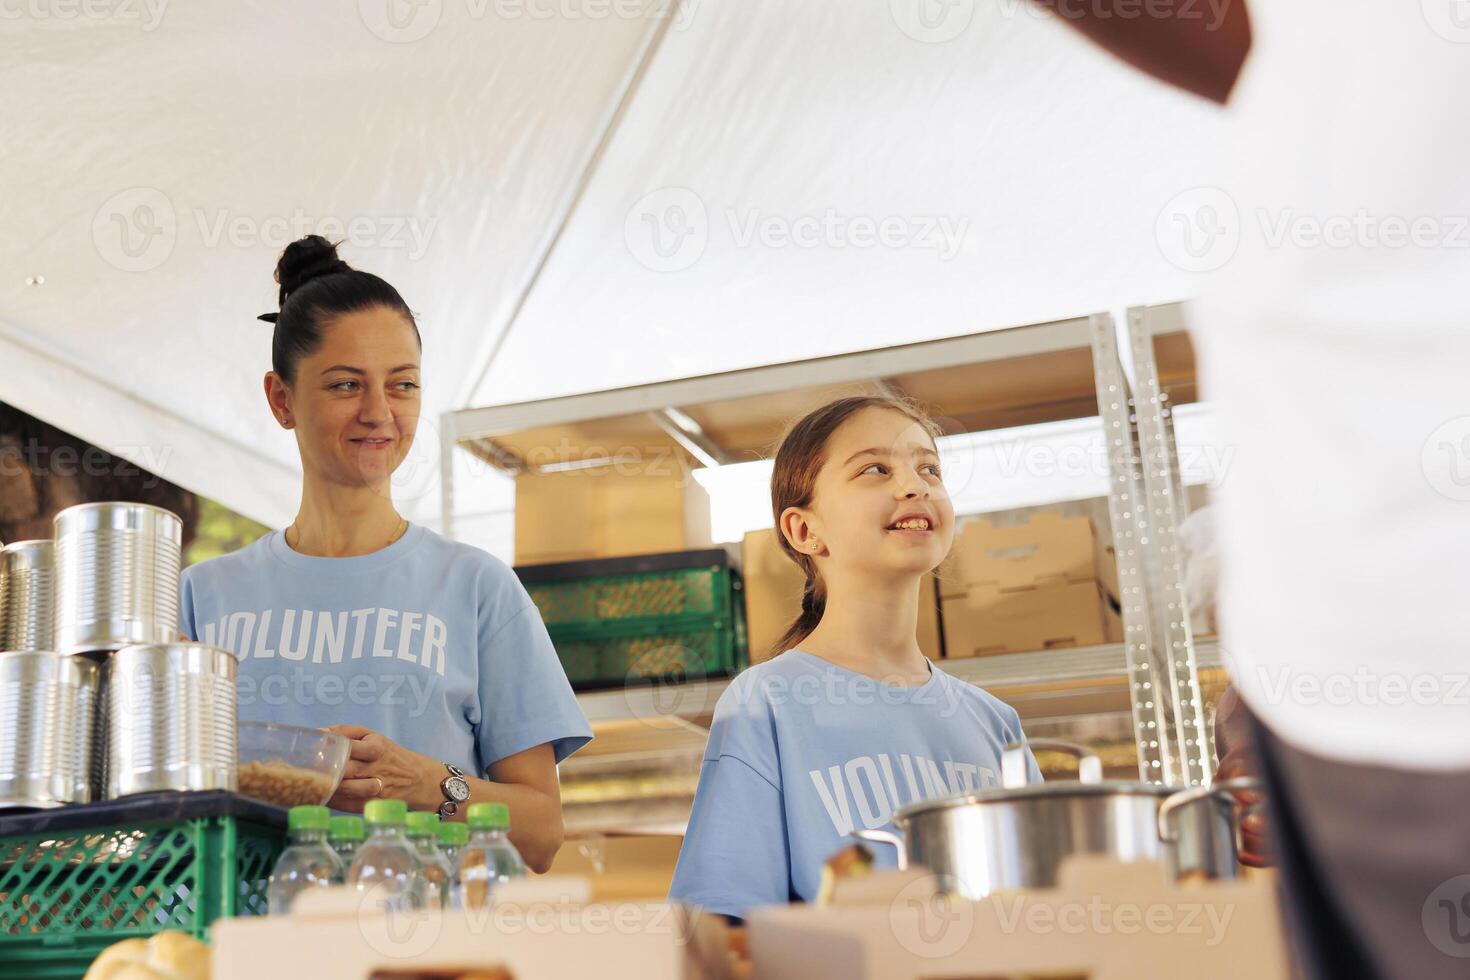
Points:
(1331, 332)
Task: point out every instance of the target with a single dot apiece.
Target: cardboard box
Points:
(539, 929)
(623, 867)
(1105, 920)
(607, 512)
(989, 620)
(1047, 549)
(773, 585)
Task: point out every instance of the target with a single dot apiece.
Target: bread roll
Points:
(166, 956)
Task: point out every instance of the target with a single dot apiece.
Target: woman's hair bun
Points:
(304, 260)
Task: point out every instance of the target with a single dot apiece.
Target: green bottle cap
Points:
(454, 834)
(385, 811)
(308, 818)
(423, 823)
(488, 816)
(348, 828)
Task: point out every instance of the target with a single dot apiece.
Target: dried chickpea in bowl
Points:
(288, 765)
(285, 785)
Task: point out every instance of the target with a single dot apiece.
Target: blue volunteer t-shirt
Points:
(802, 751)
(429, 641)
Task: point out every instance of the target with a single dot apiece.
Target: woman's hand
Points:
(380, 768)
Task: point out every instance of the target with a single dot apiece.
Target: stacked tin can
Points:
(97, 700)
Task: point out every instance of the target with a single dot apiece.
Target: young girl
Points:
(851, 722)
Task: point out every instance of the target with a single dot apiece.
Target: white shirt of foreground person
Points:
(1335, 343)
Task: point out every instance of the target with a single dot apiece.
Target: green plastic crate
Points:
(624, 653)
(143, 866)
(656, 599)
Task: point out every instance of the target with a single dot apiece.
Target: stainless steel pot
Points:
(27, 596)
(1016, 837)
(170, 719)
(117, 576)
(48, 729)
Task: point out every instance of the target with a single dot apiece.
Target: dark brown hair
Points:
(794, 482)
(316, 288)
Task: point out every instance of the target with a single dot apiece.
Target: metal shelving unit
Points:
(1042, 372)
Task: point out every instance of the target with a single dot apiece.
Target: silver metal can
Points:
(49, 711)
(117, 576)
(170, 719)
(27, 596)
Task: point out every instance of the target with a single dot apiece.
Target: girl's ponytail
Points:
(813, 604)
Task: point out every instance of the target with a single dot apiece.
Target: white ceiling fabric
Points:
(157, 156)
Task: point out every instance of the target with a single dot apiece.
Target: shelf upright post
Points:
(447, 442)
(1130, 537)
(1163, 559)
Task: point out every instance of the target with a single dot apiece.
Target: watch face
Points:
(457, 789)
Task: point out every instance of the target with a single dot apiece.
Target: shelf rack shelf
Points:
(1052, 371)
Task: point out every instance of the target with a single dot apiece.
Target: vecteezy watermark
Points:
(1445, 459)
(663, 697)
(136, 230)
(1445, 917)
(1450, 19)
(1207, 463)
(1200, 230)
(938, 21)
(1099, 916)
(668, 230)
(929, 920)
(410, 233)
(833, 230)
(412, 691)
(596, 460)
(66, 461)
(840, 689)
(148, 14)
(1362, 228)
(932, 21)
(407, 21)
(396, 931)
(391, 926)
(1280, 684)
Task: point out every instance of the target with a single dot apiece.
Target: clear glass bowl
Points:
(288, 765)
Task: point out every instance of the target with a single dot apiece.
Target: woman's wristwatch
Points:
(456, 790)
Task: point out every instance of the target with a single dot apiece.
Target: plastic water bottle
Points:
(489, 858)
(307, 862)
(386, 864)
(435, 875)
(452, 839)
(345, 835)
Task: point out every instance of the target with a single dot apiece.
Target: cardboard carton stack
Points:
(1045, 583)
(773, 585)
(604, 512)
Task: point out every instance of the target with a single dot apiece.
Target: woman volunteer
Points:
(427, 653)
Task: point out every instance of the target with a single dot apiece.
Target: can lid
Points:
(422, 823)
(488, 816)
(348, 828)
(454, 834)
(385, 812)
(308, 818)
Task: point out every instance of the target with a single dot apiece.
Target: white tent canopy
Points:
(572, 194)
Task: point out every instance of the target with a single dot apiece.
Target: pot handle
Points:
(884, 837)
(1195, 793)
(1013, 761)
